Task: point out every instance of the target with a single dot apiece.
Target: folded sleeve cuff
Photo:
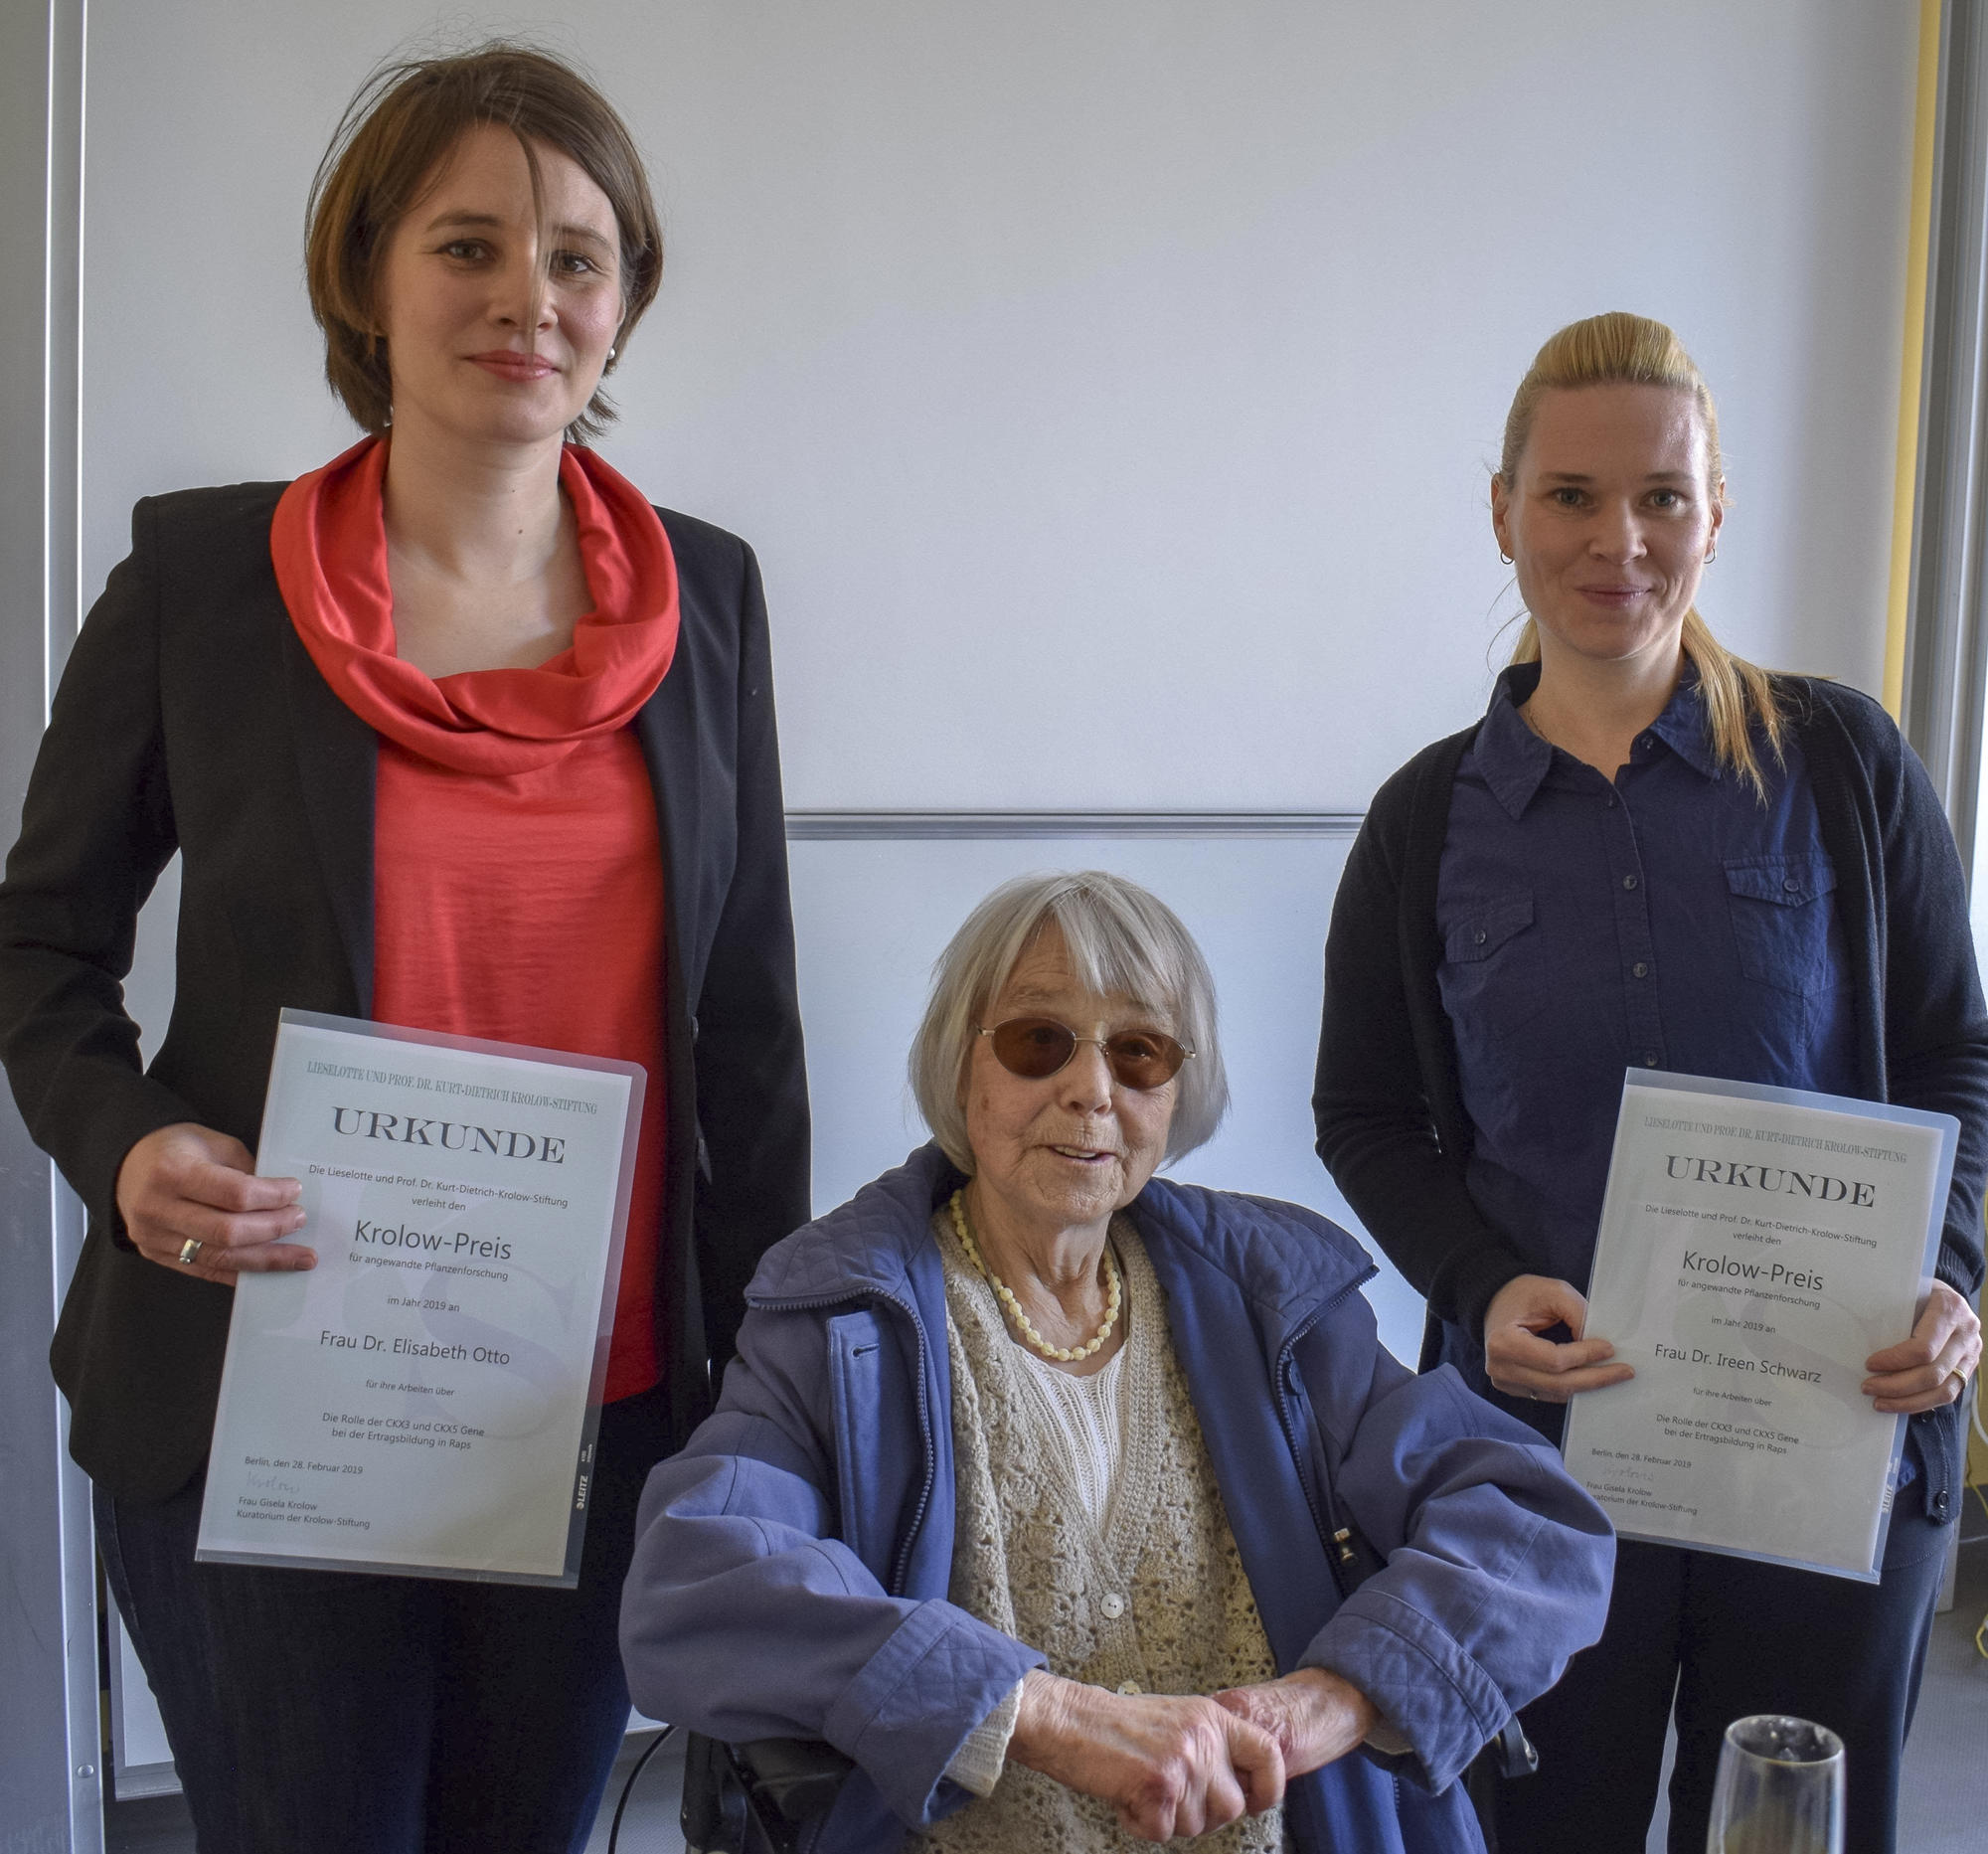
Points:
(1436, 1700)
(908, 1713)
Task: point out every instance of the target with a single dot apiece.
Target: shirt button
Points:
(1792, 884)
(1130, 1686)
(1479, 937)
(1113, 1605)
(1647, 742)
(1640, 969)
(1650, 1058)
(1628, 882)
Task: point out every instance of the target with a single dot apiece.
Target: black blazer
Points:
(190, 718)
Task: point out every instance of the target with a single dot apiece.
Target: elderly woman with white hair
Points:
(1077, 1507)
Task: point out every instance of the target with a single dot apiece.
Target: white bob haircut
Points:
(1121, 941)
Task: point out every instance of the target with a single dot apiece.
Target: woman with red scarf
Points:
(456, 733)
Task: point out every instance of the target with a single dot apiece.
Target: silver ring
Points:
(190, 1249)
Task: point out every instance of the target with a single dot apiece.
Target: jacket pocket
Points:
(1782, 915)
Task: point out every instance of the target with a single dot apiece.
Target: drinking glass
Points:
(1780, 1788)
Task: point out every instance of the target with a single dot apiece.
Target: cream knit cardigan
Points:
(1156, 1601)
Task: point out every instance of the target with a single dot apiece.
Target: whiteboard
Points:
(1144, 356)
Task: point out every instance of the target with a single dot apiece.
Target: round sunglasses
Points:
(1035, 1047)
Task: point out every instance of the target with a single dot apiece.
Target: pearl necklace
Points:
(1063, 1354)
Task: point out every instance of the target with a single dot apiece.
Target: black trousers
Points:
(1717, 1639)
(338, 1713)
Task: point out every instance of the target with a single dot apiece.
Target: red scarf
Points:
(329, 544)
(518, 880)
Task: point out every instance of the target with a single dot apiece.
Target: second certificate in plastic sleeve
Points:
(1756, 1245)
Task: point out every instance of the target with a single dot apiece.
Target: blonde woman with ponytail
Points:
(1651, 853)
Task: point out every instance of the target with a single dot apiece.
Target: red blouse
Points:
(518, 877)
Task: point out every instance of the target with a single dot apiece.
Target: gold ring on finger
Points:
(1959, 1375)
(190, 1249)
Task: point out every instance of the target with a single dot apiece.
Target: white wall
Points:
(1109, 390)
(1130, 366)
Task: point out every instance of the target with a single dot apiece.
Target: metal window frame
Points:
(1946, 641)
(984, 826)
(50, 1758)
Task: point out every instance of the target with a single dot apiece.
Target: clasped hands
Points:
(1921, 1372)
(1174, 1766)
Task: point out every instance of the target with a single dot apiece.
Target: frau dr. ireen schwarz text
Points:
(1772, 1367)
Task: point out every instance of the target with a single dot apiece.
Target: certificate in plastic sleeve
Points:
(425, 1400)
(1756, 1245)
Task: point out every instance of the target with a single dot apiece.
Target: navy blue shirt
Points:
(1666, 920)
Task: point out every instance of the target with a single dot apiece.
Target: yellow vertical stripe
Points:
(1905, 495)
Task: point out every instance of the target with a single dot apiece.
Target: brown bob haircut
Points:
(404, 121)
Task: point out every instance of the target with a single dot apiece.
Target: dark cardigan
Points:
(1390, 1120)
(190, 718)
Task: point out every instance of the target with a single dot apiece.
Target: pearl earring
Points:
(612, 352)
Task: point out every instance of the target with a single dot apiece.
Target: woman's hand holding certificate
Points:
(1931, 1368)
(190, 1199)
(1523, 1364)
(1758, 1246)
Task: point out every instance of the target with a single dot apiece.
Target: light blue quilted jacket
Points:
(791, 1563)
